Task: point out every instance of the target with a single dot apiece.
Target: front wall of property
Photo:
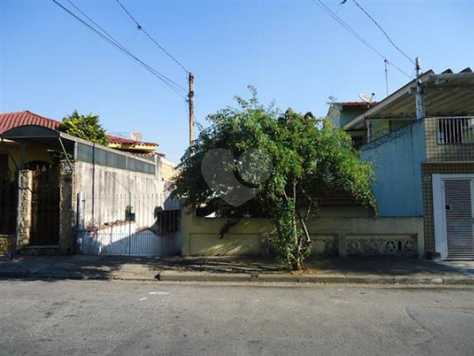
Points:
(330, 235)
(108, 191)
(428, 170)
(397, 160)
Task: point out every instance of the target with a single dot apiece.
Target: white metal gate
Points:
(122, 240)
(143, 243)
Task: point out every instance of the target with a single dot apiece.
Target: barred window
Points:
(455, 130)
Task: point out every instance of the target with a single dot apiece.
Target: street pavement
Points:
(65, 317)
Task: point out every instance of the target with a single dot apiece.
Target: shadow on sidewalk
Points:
(51, 268)
(110, 267)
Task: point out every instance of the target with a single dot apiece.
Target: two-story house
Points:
(425, 167)
(341, 113)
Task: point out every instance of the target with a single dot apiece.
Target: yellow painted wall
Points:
(200, 236)
(167, 169)
(32, 152)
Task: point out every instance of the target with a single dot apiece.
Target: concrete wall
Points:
(330, 235)
(397, 160)
(108, 191)
(167, 173)
(341, 116)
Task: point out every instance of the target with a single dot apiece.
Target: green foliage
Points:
(309, 157)
(86, 127)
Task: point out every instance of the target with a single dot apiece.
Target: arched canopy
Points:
(31, 132)
(38, 134)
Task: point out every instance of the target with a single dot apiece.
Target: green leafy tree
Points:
(307, 157)
(86, 127)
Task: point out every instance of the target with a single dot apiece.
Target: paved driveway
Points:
(151, 318)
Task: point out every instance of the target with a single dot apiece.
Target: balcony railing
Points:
(455, 130)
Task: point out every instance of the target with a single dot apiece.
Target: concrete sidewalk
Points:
(400, 271)
(79, 267)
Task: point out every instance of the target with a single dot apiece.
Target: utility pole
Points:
(191, 106)
(420, 105)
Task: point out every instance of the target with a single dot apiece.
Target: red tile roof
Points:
(16, 119)
(22, 118)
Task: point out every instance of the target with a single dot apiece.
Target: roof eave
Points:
(405, 90)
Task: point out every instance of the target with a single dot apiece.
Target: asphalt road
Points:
(131, 318)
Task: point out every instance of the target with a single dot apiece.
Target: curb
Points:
(55, 275)
(172, 276)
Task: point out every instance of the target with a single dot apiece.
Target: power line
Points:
(107, 37)
(351, 30)
(190, 96)
(150, 37)
(164, 77)
(383, 31)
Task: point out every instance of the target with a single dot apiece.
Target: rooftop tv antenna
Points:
(367, 98)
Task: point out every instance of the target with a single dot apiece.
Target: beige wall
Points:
(167, 169)
(167, 172)
(329, 234)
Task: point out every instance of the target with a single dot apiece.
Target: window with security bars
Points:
(455, 130)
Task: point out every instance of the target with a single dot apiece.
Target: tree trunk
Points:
(298, 263)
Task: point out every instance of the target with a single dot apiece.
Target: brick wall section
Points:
(25, 185)
(428, 169)
(437, 153)
(66, 210)
(6, 244)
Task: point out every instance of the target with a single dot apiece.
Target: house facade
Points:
(425, 167)
(341, 113)
(59, 184)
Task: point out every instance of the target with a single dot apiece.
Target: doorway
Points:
(453, 204)
(44, 206)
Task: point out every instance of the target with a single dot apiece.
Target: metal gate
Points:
(119, 242)
(134, 236)
(44, 207)
(459, 217)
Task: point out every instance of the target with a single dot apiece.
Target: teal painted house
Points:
(423, 160)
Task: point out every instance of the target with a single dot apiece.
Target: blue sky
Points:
(291, 50)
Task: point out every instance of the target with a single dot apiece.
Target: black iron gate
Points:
(45, 207)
